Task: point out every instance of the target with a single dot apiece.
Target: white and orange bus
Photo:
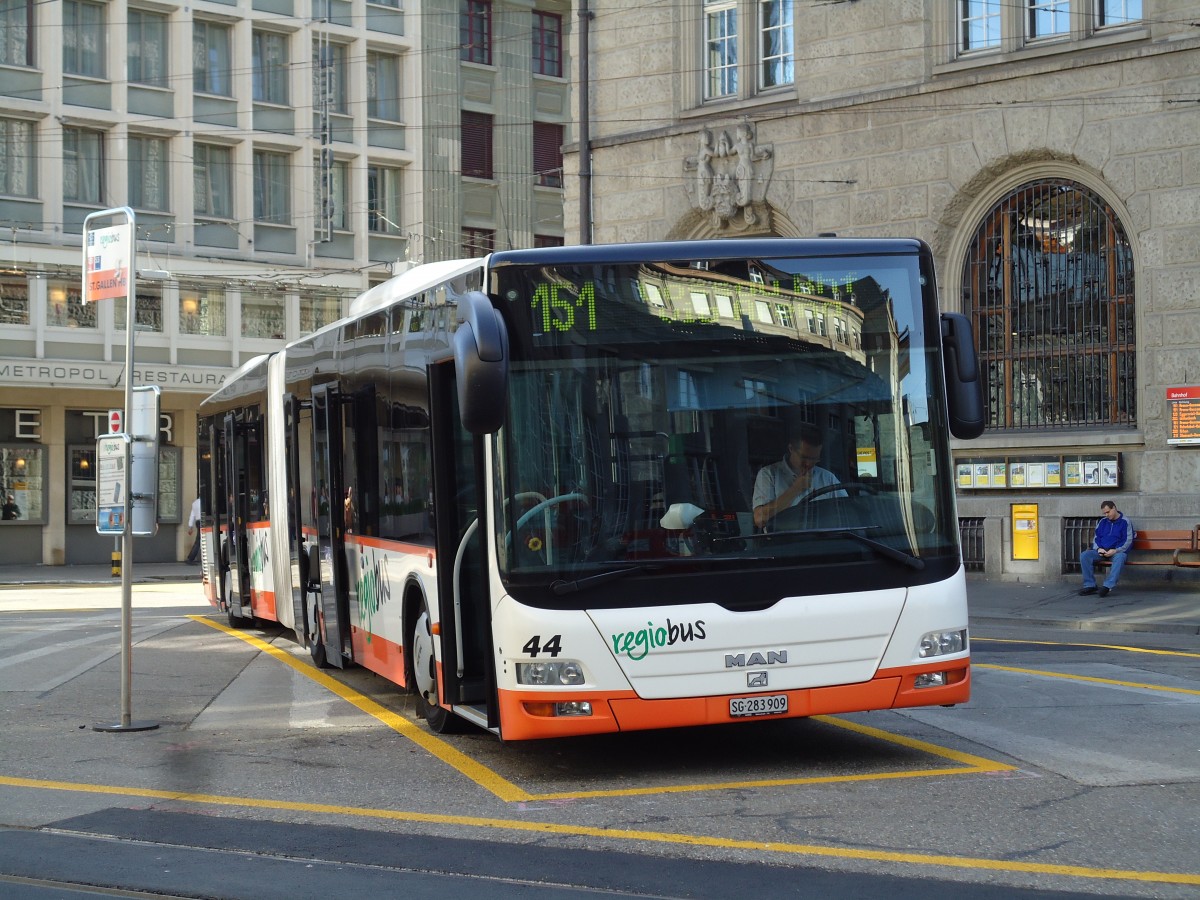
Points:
(523, 486)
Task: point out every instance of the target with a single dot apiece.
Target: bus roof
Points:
(735, 248)
(233, 386)
(413, 281)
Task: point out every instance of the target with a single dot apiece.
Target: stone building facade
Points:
(280, 156)
(1049, 152)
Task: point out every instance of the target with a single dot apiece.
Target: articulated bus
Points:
(522, 486)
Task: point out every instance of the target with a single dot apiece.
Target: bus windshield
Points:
(720, 414)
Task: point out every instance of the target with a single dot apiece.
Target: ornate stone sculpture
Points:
(730, 176)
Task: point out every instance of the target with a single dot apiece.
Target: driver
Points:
(782, 484)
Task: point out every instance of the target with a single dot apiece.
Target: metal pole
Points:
(127, 723)
(585, 136)
(127, 534)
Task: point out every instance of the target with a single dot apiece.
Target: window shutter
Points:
(477, 145)
(547, 154)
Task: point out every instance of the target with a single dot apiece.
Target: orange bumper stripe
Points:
(527, 714)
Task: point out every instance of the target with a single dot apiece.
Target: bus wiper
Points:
(854, 534)
(899, 556)
(561, 587)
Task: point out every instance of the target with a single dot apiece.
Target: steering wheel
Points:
(543, 543)
(850, 487)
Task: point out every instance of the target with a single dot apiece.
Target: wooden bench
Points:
(1177, 547)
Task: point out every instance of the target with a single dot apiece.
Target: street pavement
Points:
(52, 841)
(1165, 601)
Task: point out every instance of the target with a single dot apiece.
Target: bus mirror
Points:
(481, 364)
(964, 386)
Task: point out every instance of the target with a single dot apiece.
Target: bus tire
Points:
(424, 678)
(316, 644)
(235, 621)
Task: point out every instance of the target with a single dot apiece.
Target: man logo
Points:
(756, 679)
(741, 660)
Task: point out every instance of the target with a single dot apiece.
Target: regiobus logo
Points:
(638, 644)
(373, 588)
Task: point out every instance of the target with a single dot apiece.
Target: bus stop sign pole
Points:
(109, 274)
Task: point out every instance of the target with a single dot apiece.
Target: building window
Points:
(776, 43)
(1049, 284)
(212, 181)
(272, 188)
(329, 76)
(148, 173)
(477, 145)
(83, 166)
(383, 200)
(1118, 12)
(475, 31)
(547, 44)
(65, 307)
(720, 58)
(333, 193)
(14, 301)
(147, 308)
(83, 38)
(478, 241)
(318, 311)
(16, 25)
(201, 310)
(210, 59)
(547, 154)
(262, 315)
(990, 25)
(16, 158)
(1049, 18)
(269, 63)
(549, 240)
(147, 48)
(22, 482)
(383, 86)
(979, 25)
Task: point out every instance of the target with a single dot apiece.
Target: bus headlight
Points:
(559, 672)
(942, 643)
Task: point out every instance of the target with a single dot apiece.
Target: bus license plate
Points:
(767, 705)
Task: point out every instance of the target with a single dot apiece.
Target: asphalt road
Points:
(1075, 770)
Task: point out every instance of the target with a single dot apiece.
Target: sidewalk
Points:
(143, 573)
(1140, 603)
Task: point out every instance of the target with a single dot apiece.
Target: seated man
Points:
(782, 484)
(1114, 535)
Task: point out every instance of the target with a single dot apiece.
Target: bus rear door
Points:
(235, 554)
(332, 599)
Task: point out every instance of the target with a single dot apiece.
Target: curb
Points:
(1090, 625)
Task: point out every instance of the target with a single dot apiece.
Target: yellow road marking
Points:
(481, 775)
(1150, 650)
(1088, 678)
(623, 834)
(506, 790)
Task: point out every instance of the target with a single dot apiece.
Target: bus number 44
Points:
(552, 647)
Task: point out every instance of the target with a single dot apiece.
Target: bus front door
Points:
(463, 535)
(331, 614)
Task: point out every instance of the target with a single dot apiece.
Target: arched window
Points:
(1048, 282)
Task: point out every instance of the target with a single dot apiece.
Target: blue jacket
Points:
(1114, 534)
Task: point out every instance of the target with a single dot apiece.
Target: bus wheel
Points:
(424, 671)
(235, 621)
(316, 645)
